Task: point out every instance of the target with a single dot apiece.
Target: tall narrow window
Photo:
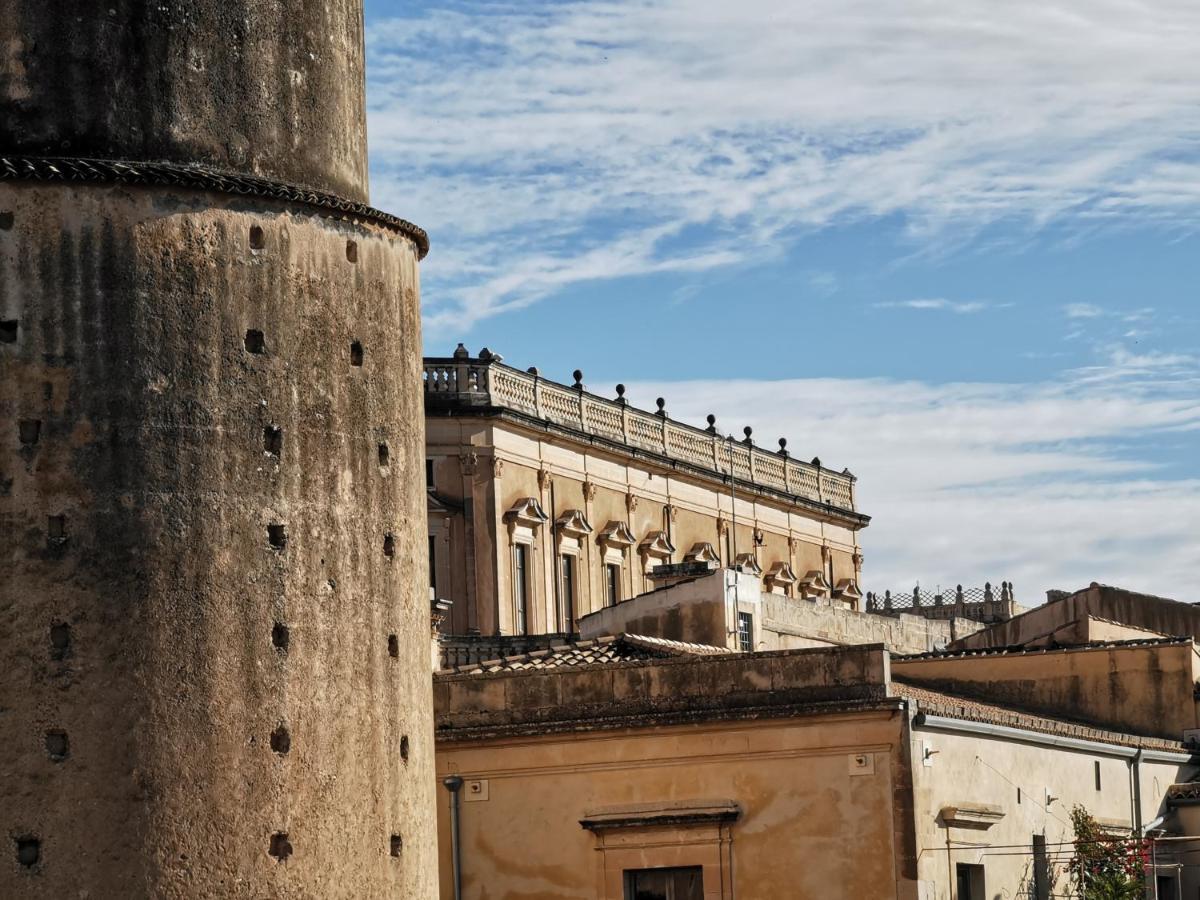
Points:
(1097, 769)
(612, 583)
(568, 593)
(970, 880)
(745, 632)
(520, 587)
(433, 565)
(429, 474)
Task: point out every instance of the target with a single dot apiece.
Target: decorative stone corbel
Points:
(497, 468)
(631, 502)
(468, 462)
(589, 491)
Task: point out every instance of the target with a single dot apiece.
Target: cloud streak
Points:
(1051, 484)
(546, 144)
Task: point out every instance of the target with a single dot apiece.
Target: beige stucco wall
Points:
(1015, 778)
(701, 611)
(1145, 689)
(811, 792)
(483, 466)
(1156, 614)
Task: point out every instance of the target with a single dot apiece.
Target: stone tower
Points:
(214, 664)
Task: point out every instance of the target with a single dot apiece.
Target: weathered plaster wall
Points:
(701, 611)
(1016, 779)
(258, 86)
(1147, 690)
(806, 803)
(789, 623)
(143, 601)
(1155, 614)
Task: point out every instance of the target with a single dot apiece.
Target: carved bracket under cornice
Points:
(780, 575)
(847, 589)
(616, 534)
(745, 562)
(702, 552)
(814, 585)
(657, 545)
(526, 512)
(574, 523)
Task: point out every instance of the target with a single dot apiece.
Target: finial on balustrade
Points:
(485, 354)
(747, 431)
(816, 461)
(533, 370)
(461, 352)
(621, 394)
(712, 424)
(783, 447)
(662, 407)
(578, 376)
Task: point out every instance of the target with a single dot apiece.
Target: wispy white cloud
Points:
(938, 303)
(545, 144)
(1083, 311)
(1051, 484)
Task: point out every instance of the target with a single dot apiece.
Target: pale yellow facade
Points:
(527, 477)
(807, 805)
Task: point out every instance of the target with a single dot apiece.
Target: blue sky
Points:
(951, 246)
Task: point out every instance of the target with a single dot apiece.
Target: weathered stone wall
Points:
(1145, 689)
(214, 645)
(1156, 614)
(258, 86)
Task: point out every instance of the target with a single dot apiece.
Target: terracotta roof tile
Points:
(618, 648)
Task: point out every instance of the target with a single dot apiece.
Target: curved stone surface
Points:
(258, 86)
(194, 389)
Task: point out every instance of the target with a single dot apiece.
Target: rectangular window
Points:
(429, 474)
(432, 565)
(1097, 764)
(745, 632)
(612, 583)
(684, 883)
(568, 593)
(520, 587)
(970, 882)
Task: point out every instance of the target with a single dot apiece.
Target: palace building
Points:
(548, 502)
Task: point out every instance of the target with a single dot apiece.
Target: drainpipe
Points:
(1136, 766)
(454, 784)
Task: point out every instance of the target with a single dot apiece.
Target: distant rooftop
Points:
(463, 384)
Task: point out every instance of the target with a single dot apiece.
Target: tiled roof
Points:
(1021, 650)
(955, 707)
(618, 648)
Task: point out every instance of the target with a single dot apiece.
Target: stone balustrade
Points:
(484, 381)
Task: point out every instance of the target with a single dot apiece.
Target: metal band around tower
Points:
(201, 178)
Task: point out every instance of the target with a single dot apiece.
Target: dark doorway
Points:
(970, 882)
(665, 884)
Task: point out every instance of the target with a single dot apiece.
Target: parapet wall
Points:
(1144, 688)
(645, 693)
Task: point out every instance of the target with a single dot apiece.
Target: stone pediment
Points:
(526, 511)
(746, 562)
(972, 815)
(847, 589)
(814, 584)
(656, 544)
(781, 573)
(702, 551)
(616, 534)
(573, 523)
